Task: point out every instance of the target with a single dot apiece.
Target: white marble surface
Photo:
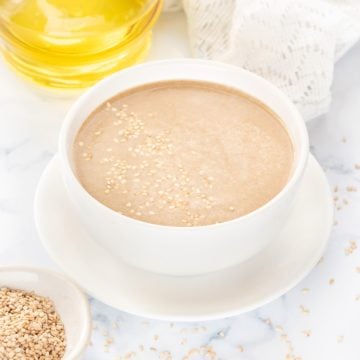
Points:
(318, 324)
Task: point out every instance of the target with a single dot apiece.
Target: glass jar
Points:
(75, 43)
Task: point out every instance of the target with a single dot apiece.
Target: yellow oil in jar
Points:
(74, 43)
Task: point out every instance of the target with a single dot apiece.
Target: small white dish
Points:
(70, 302)
(264, 277)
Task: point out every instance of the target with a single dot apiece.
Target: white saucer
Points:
(229, 292)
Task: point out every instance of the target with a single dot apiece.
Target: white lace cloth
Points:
(292, 43)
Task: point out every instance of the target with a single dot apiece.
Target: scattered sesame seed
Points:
(340, 339)
(304, 310)
(351, 188)
(331, 281)
(108, 341)
(351, 248)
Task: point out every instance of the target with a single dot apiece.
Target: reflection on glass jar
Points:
(74, 43)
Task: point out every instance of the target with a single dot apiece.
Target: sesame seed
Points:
(30, 327)
(304, 310)
(351, 248)
(351, 188)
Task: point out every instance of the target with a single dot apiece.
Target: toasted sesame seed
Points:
(304, 310)
(30, 328)
(340, 339)
(351, 248)
(351, 188)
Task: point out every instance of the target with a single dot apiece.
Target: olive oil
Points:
(74, 43)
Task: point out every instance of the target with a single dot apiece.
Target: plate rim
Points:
(216, 315)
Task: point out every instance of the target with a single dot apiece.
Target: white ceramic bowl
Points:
(183, 250)
(70, 302)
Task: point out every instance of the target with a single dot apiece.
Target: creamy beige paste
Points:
(183, 153)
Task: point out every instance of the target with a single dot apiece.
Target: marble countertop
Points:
(317, 320)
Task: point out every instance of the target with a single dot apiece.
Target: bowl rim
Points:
(299, 165)
(84, 338)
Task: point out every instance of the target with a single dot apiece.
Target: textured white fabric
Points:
(292, 43)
